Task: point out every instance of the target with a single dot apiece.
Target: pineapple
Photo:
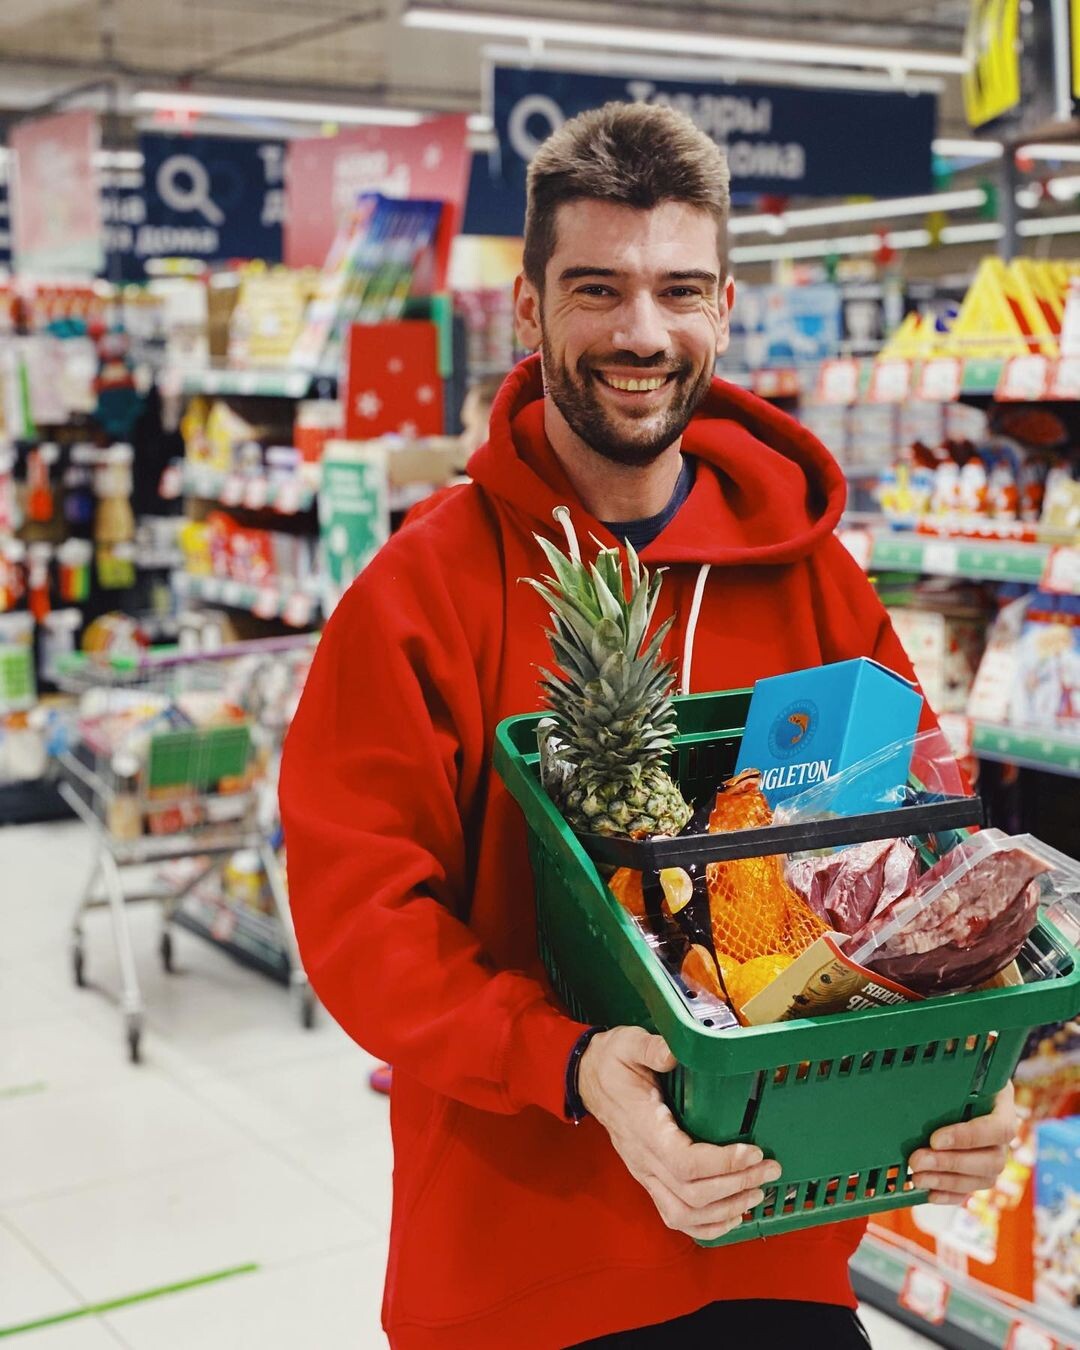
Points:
(612, 721)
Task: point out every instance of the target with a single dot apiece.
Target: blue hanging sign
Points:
(211, 197)
(781, 140)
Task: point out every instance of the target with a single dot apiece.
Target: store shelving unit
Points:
(298, 606)
(293, 384)
(254, 492)
(971, 559)
(1031, 748)
(971, 1317)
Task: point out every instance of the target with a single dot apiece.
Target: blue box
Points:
(811, 725)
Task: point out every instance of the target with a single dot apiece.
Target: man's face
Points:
(633, 316)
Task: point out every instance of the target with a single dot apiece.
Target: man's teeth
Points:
(635, 386)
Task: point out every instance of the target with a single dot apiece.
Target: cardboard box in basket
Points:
(812, 724)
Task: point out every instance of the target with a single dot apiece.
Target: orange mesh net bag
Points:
(754, 912)
(757, 924)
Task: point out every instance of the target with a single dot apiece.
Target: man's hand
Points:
(968, 1157)
(699, 1189)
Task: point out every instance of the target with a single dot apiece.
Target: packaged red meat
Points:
(848, 887)
(967, 917)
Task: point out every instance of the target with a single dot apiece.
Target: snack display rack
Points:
(176, 790)
(905, 1282)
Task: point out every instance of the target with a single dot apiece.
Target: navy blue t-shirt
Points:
(641, 533)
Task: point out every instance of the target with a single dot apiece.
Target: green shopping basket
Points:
(841, 1101)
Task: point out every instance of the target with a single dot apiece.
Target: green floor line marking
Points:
(94, 1309)
(22, 1090)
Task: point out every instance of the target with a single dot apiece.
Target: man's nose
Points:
(640, 326)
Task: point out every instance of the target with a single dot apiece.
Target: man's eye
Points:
(595, 290)
(682, 292)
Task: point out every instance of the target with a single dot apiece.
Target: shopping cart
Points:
(174, 757)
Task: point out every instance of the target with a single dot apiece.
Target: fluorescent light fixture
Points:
(820, 248)
(480, 123)
(1067, 154)
(286, 109)
(1049, 225)
(692, 43)
(949, 147)
(870, 243)
(653, 66)
(122, 160)
(965, 199)
(972, 234)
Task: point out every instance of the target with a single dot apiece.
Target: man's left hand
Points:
(967, 1157)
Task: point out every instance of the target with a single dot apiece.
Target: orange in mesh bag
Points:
(754, 911)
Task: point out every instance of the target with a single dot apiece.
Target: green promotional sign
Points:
(354, 512)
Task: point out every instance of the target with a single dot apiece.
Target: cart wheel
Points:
(134, 1039)
(166, 949)
(307, 1009)
(77, 965)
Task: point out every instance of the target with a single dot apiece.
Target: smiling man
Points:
(543, 1195)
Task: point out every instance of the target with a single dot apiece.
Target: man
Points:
(512, 1227)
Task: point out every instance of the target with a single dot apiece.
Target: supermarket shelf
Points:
(975, 559)
(1030, 748)
(257, 383)
(973, 1318)
(295, 605)
(252, 491)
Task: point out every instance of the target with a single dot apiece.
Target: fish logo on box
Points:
(793, 729)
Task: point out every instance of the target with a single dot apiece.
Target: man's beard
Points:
(577, 399)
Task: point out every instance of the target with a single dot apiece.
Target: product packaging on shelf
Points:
(1046, 685)
(945, 649)
(1057, 1214)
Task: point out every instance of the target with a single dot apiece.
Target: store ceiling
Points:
(358, 48)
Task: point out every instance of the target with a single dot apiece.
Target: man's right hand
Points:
(699, 1189)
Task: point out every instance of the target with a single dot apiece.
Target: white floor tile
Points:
(83, 1333)
(28, 1288)
(331, 1303)
(321, 1093)
(356, 1164)
(61, 1052)
(885, 1334)
(24, 1000)
(191, 1220)
(138, 1121)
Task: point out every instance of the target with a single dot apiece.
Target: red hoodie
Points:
(412, 893)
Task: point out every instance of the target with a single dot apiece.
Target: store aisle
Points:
(243, 1152)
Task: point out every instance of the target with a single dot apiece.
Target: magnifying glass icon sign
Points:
(192, 196)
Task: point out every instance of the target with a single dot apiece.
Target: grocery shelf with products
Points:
(314, 290)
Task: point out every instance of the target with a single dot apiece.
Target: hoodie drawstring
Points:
(691, 628)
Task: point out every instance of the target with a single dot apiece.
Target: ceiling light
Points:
(884, 209)
(1065, 153)
(949, 147)
(820, 248)
(664, 40)
(286, 109)
(654, 66)
(983, 233)
(1050, 225)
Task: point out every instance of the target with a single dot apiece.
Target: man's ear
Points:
(727, 304)
(527, 313)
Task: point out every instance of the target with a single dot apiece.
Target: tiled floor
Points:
(242, 1145)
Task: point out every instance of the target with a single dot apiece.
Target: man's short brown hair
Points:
(632, 154)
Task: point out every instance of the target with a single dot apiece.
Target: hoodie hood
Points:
(767, 491)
